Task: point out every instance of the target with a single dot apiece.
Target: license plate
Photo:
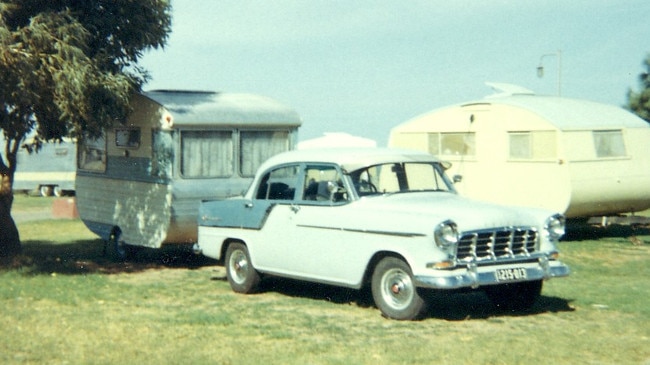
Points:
(514, 274)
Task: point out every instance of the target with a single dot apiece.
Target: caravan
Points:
(140, 185)
(578, 157)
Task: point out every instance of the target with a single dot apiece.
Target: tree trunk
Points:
(9, 238)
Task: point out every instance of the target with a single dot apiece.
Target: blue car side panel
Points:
(235, 213)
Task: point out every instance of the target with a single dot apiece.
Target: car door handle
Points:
(295, 208)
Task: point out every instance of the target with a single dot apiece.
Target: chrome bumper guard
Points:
(473, 276)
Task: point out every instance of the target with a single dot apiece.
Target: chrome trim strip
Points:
(385, 233)
(469, 277)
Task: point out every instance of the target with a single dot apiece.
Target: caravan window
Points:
(452, 144)
(256, 147)
(127, 137)
(537, 145)
(162, 154)
(520, 146)
(91, 154)
(207, 154)
(609, 144)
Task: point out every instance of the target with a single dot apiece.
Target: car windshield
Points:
(399, 178)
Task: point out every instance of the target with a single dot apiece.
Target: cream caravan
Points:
(574, 156)
(141, 184)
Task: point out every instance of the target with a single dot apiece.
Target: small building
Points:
(141, 183)
(577, 157)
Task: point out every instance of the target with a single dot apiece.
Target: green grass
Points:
(26, 203)
(62, 302)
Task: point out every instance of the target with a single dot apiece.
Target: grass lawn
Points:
(29, 203)
(62, 302)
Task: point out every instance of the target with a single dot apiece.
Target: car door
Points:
(323, 250)
(273, 249)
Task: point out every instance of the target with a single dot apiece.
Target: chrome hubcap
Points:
(239, 266)
(398, 290)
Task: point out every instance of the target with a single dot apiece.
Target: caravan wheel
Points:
(117, 250)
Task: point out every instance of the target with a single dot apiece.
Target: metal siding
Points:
(143, 215)
(130, 168)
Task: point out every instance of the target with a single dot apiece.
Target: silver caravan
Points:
(141, 184)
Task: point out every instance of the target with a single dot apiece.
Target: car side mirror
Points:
(457, 178)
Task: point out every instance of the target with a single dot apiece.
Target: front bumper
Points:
(474, 276)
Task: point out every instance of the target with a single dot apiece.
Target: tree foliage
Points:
(68, 68)
(639, 102)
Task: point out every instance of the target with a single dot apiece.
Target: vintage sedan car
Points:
(386, 218)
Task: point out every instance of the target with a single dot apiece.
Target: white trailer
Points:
(48, 171)
(574, 156)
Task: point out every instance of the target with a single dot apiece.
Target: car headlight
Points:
(446, 234)
(555, 226)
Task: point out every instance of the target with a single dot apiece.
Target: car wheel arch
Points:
(374, 260)
(227, 242)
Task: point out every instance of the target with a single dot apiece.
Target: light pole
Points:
(540, 69)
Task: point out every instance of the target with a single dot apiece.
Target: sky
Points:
(363, 67)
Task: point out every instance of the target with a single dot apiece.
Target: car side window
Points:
(278, 184)
(323, 183)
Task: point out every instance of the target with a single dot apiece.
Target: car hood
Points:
(435, 207)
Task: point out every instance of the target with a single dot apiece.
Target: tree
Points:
(68, 68)
(639, 102)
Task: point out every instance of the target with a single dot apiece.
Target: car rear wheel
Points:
(394, 292)
(515, 296)
(242, 276)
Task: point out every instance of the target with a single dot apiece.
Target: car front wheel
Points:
(242, 276)
(394, 292)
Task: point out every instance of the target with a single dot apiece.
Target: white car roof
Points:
(350, 158)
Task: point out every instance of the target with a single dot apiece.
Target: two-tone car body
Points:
(386, 218)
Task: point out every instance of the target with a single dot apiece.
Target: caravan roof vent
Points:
(502, 89)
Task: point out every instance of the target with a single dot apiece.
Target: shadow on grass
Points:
(578, 230)
(86, 257)
(476, 305)
(446, 305)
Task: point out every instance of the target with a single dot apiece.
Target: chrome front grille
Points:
(497, 244)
